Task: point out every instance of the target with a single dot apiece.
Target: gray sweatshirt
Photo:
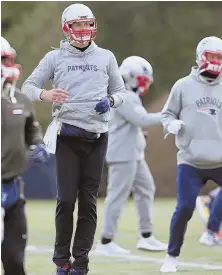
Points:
(199, 104)
(87, 77)
(126, 139)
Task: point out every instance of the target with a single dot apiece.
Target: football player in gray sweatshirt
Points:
(86, 83)
(192, 113)
(127, 167)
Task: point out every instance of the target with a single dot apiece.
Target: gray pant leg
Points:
(143, 193)
(120, 180)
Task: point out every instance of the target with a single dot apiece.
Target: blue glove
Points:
(103, 106)
(38, 154)
(10, 193)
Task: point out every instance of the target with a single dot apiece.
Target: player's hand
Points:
(175, 126)
(54, 95)
(103, 105)
(38, 154)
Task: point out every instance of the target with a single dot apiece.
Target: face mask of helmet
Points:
(10, 73)
(138, 83)
(211, 64)
(81, 31)
(144, 83)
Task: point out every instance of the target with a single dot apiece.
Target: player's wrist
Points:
(111, 100)
(42, 94)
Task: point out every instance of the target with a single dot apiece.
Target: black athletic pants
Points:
(79, 169)
(15, 238)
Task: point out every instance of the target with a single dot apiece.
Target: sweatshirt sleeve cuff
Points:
(33, 93)
(117, 100)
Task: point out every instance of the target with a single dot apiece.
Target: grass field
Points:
(194, 257)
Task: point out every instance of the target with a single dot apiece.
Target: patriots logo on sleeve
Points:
(211, 111)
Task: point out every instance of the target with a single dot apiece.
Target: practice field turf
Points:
(195, 258)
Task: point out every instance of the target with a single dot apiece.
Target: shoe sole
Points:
(168, 271)
(161, 270)
(151, 249)
(207, 244)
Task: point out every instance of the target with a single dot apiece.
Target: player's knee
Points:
(148, 188)
(115, 210)
(113, 207)
(88, 198)
(65, 205)
(185, 211)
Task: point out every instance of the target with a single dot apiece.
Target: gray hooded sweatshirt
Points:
(87, 77)
(199, 104)
(126, 138)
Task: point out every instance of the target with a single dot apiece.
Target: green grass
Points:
(42, 232)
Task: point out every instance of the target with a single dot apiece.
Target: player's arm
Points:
(172, 108)
(137, 115)
(33, 131)
(116, 88)
(33, 85)
(34, 139)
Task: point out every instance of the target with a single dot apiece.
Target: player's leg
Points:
(120, 180)
(212, 236)
(15, 238)
(68, 174)
(2, 223)
(143, 193)
(204, 203)
(92, 163)
(215, 219)
(189, 183)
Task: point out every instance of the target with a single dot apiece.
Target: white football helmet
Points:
(6, 49)
(137, 74)
(209, 45)
(77, 13)
(9, 70)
